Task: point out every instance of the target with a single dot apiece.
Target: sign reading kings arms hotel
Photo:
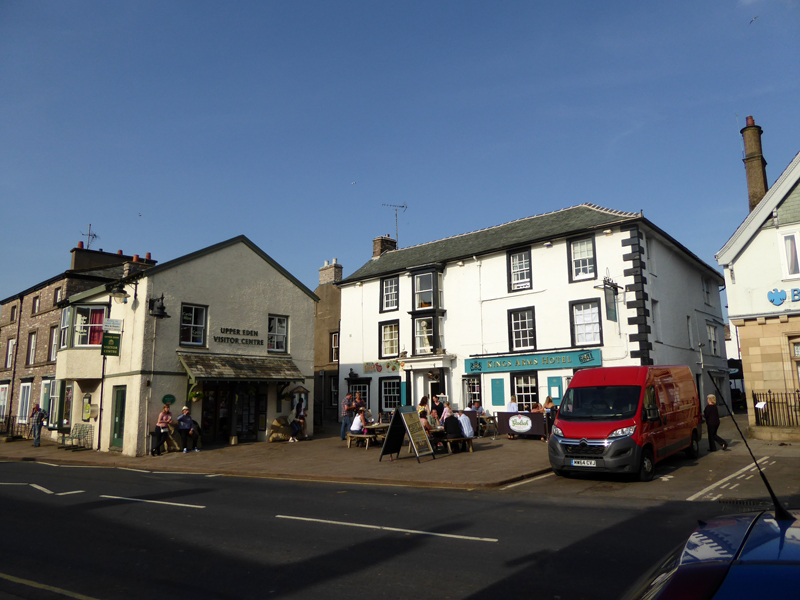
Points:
(575, 359)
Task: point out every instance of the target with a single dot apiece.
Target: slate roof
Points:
(549, 226)
(232, 366)
(103, 273)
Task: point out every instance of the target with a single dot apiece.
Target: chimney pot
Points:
(80, 245)
(750, 121)
(119, 251)
(135, 258)
(147, 256)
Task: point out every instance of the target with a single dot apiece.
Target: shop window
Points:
(277, 333)
(521, 329)
(10, 347)
(24, 403)
(30, 356)
(88, 325)
(389, 393)
(585, 322)
(389, 345)
(389, 294)
(581, 259)
(193, 325)
(335, 346)
(519, 270)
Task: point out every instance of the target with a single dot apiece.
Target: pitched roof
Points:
(752, 223)
(103, 273)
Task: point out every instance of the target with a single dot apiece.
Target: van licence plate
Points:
(583, 463)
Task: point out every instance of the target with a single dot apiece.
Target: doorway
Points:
(118, 429)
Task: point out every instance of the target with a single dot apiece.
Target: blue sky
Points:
(215, 119)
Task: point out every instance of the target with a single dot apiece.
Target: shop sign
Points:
(573, 359)
(110, 345)
(520, 423)
(168, 399)
(385, 366)
(778, 297)
(249, 337)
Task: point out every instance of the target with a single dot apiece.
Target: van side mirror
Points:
(651, 413)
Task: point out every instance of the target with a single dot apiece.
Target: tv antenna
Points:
(90, 237)
(404, 206)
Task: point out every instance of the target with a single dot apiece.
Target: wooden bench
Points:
(368, 437)
(451, 440)
(80, 436)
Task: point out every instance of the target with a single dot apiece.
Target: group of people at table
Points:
(438, 418)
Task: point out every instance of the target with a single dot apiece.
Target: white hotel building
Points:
(516, 309)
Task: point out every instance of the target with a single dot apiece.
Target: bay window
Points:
(89, 325)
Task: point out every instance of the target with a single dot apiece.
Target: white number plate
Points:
(584, 463)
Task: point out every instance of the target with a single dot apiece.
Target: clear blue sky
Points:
(215, 119)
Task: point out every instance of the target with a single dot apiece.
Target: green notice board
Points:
(110, 345)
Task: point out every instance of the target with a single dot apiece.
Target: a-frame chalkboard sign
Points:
(405, 419)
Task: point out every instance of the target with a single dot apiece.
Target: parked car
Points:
(745, 556)
(625, 420)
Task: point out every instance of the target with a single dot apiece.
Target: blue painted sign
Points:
(573, 359)
(778, 297)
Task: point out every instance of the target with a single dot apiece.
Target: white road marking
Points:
(721, 481)
(2, 483)
(666, 477)
(49, 588)
(748, 477)
(134, 470)
(723, 486)
(153, 501)
(48, 464)
(524, 481)
(733, 486)
(772, 463)
(214, 475)
(177, 473)
(40, 488)
(68, 493)
(395, 529)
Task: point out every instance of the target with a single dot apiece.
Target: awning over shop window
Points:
(228, 366)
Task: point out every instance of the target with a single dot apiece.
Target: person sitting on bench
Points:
(453, 431)
(359, 423)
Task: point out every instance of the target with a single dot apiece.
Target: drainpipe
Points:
(102, 386)
(10, 400)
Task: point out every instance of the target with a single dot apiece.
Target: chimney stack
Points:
(755, 166)
(330, 273)
(382, 244)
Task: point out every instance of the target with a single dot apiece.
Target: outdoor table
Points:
(528, 423)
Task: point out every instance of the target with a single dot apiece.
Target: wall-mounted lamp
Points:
(460, 263)
(119, 294)
(548, 244)
(607, 231)
(157, 309)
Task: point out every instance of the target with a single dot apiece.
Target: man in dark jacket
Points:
(452, 430)
(37, 420)
(711, 413)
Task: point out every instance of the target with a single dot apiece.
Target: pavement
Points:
(494, 462)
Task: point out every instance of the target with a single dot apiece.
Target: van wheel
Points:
(693, 451)
(647, 467)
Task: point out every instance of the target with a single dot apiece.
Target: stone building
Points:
(326, 343)
(762, 275)
(225, 330)
(30, 334)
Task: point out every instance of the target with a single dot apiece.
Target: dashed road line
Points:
(4, 483)
(68, 493)
(394, 529)
(721, 481)
(40, 488)
(153, 501)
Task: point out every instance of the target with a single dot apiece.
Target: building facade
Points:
(30, 329)
(762, 274)
(225, 330)
(518, 308)
(326, 343)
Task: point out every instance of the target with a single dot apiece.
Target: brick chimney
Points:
(330, 272)
(755, 166)
(382, 244)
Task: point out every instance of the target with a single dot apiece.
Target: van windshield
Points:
(614, 402)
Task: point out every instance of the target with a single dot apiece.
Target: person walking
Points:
(711, 413)
(162, 429)
(347, 414)
(37, 419)
(186, 429)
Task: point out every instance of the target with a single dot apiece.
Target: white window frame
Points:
(522, 329)
(520, 274)
(423, 294)
(278, 333)
(83, 330)
(64, 328)
(3, 400)
(713, 344)
(30, 356)
(581, 334)
(420, 336)
(24, 408)
(390, 339)
(44, 396)
(583, 265)
(789, 242)
(197, 324)
(52, 345)
(472, 389)
(56, 296)
(526, 389)
(393, 393)
(390, 294)
(10, 347)
(335, 346)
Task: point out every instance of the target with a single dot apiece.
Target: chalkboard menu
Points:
(405, 420)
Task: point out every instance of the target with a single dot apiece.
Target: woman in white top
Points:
(512, 407)
(359, 422)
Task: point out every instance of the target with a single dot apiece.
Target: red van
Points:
(625, 420)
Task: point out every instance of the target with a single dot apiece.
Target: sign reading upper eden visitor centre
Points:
(573, 359)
